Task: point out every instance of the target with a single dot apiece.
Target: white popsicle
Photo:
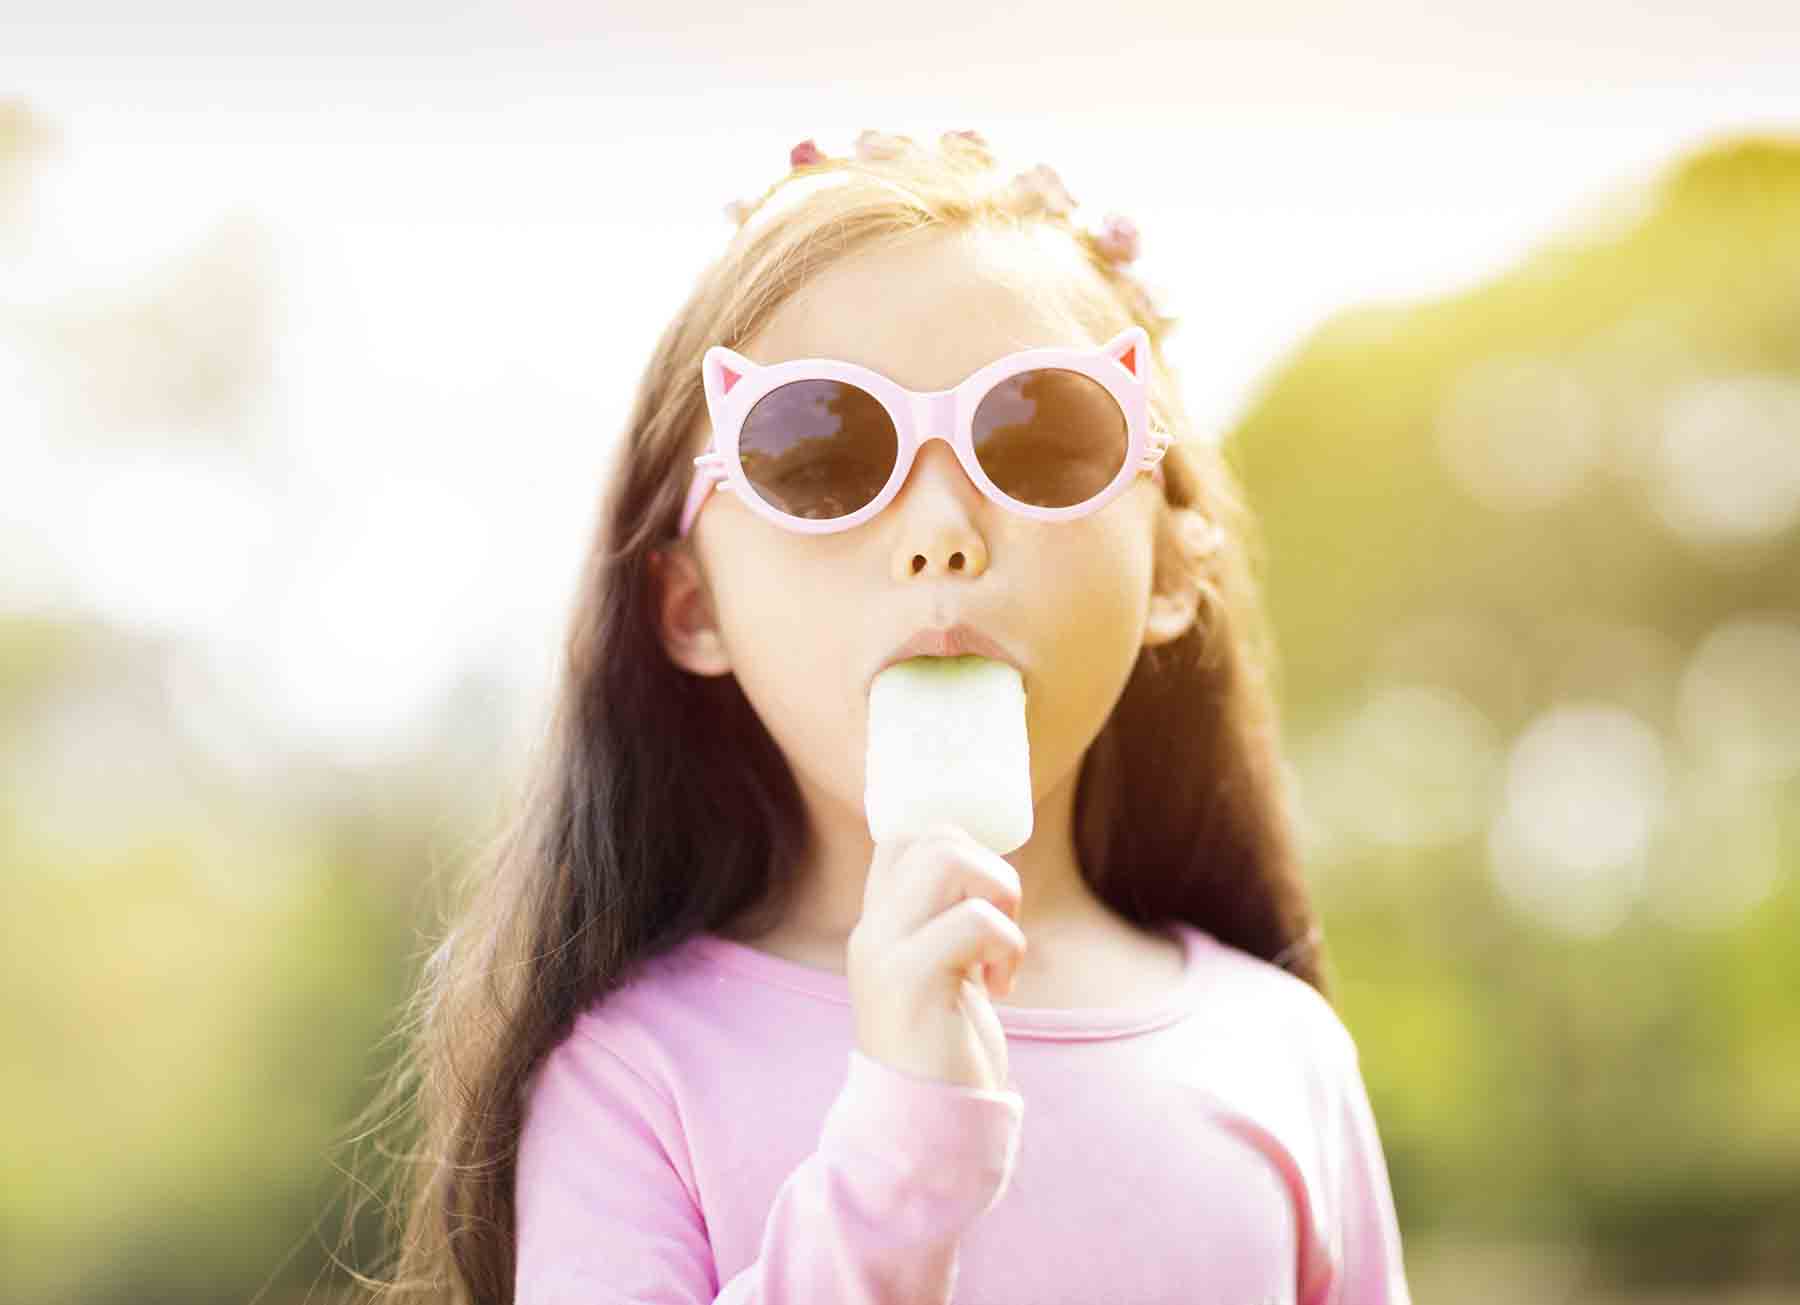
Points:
(947, 741)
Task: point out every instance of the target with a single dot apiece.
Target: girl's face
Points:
(805, 621)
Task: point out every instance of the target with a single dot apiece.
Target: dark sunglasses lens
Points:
(1051, 438)
(818, 449)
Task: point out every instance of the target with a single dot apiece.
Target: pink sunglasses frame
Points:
(734, 383)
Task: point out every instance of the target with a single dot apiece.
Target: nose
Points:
(934, 536)
(937, 474)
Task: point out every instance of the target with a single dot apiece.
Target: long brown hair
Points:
(616, 850)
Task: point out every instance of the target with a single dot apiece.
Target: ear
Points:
(1177, 591)
(1130, 348)
(721, 369)
(686, 616)
(1171, 615)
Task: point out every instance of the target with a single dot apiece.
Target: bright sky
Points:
(481, 220)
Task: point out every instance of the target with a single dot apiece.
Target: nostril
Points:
(956, 561)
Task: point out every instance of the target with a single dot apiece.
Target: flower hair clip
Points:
(1040, 190)
(871, 147)
(1036, 190)
(1117, 242)
(1117, 239)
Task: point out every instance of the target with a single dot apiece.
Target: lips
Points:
(953, 641)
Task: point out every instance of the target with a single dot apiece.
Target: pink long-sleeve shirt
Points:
(710, 1132)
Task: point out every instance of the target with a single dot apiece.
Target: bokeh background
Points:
(315, 333)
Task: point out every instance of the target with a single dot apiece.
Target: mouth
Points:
(953, 641)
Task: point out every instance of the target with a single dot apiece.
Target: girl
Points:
(696, 1037)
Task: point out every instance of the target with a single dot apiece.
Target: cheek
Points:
(1100, 580)
(800, 647)
(772, 592)
(1089, 629)
(783, 626)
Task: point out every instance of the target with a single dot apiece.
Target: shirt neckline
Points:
(1063, 1023)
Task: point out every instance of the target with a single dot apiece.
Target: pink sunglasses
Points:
(818, 445)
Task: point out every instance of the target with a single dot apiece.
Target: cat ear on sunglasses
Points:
(1128, 349)
(723, 368)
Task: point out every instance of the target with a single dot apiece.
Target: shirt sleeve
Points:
(602, 1211)
(1366, 1251)
(606, 1213)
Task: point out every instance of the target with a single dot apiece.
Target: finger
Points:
(939, 871)
(888, 853)
(999, 982)
(956, 943)
(884, 866)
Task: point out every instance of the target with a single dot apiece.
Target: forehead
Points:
(925, 311)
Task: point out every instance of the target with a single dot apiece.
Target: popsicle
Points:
(947, 741)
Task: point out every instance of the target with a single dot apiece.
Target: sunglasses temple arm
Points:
(709, 471)
(1160, 440)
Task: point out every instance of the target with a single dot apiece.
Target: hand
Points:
(937, 939)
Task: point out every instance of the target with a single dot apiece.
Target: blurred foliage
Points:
(1475, 519)
(1635, 1091)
